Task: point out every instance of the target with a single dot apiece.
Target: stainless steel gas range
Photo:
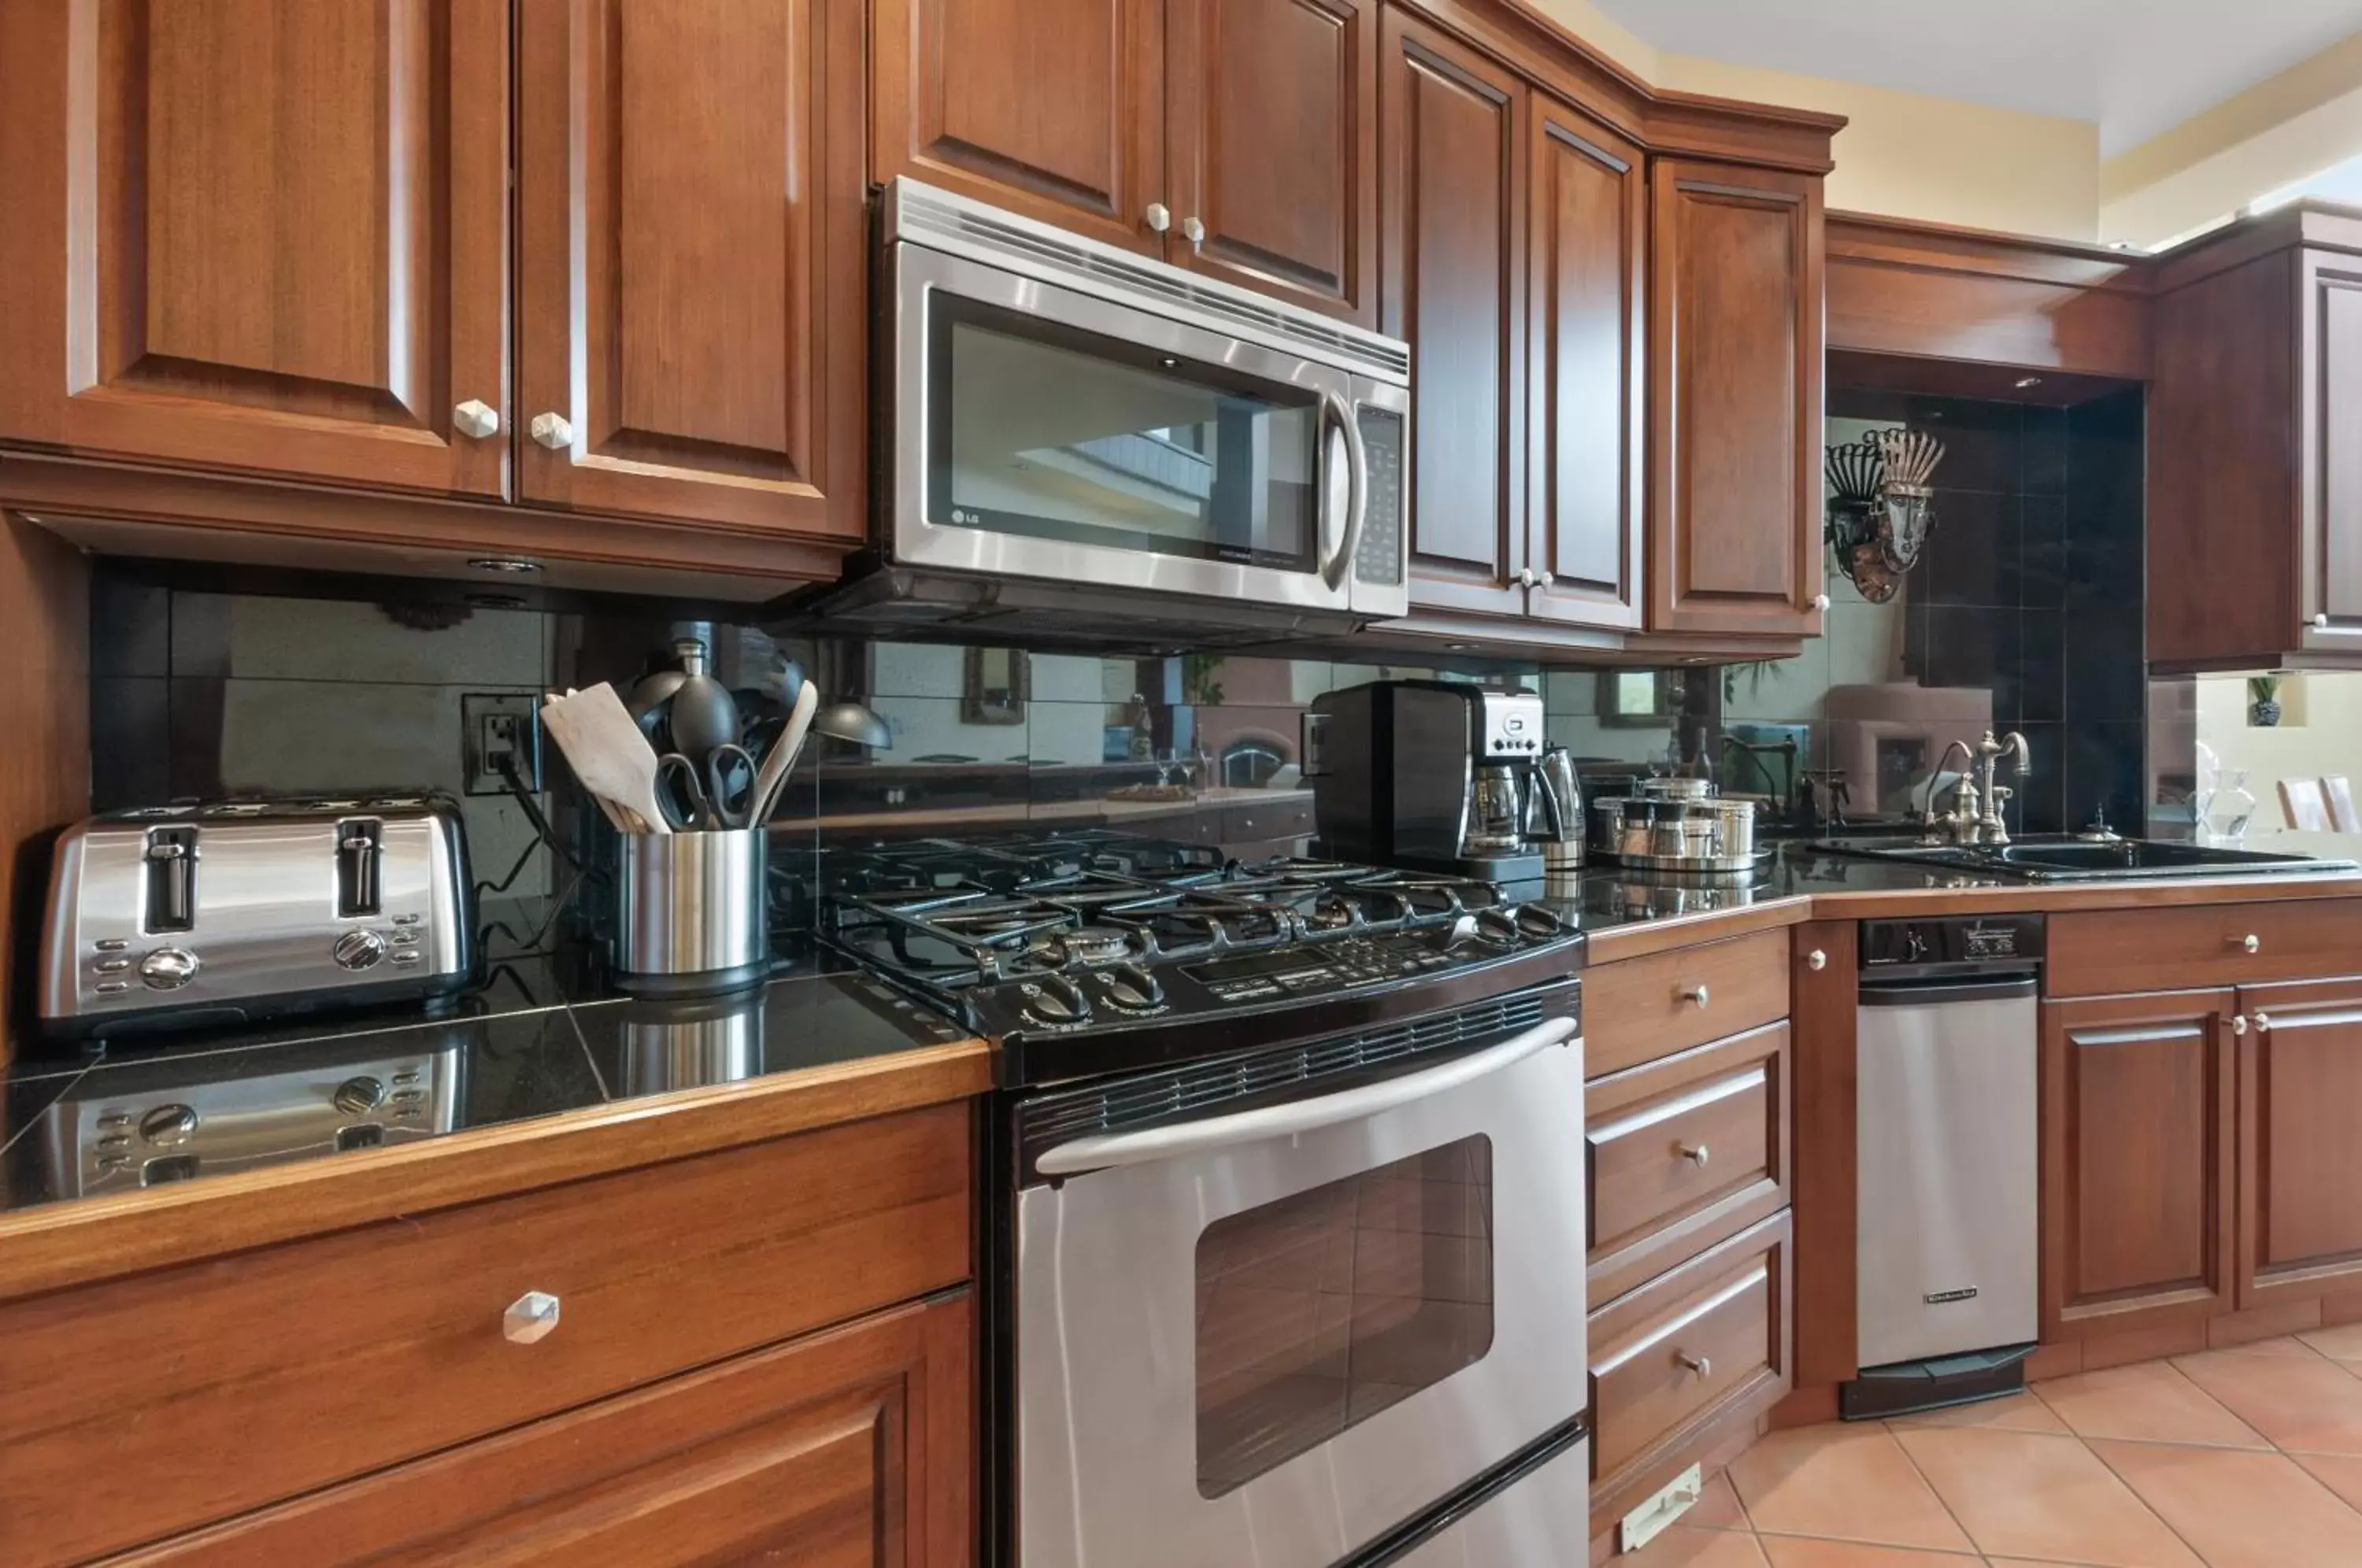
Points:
(1286, 1243)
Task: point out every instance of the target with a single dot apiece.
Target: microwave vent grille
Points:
(921, 213)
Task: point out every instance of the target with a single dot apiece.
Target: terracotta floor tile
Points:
(2241, 1510)
(2344, 1341)
(2018, 1413)
(2342, 1474)
(1684, 1547)
(1804, 1551)
(2299, 1402)
(2150, 1402)
(1719, 1508)
(2280, 1344)
(2024, 1494)
(1846, 1482)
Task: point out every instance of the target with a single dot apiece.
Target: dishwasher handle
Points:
(1936, 993)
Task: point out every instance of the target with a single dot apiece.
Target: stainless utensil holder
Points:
(691, 911)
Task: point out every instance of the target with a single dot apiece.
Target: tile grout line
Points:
(1941, 1501)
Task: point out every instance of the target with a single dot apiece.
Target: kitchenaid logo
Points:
(1943, 1296)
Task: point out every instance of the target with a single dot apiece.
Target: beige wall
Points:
(1903, 154)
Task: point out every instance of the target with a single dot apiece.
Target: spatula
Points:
(773, 778)
(608, 754)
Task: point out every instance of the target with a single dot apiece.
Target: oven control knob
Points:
(1134, 989)
(168, 1125)
(359, 949)
(168, 968)
(357, 1097)
(1058, 1000)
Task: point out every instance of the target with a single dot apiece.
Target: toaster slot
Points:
(358, 845)
(172, 860)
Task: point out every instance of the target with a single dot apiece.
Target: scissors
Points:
(717, 795)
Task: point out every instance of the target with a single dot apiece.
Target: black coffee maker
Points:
(1435, 776)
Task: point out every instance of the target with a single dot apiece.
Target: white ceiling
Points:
(2136, 67)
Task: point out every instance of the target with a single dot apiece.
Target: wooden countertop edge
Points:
(64, 1244)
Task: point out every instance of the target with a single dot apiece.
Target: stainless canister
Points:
(691, 912)
(1678, 826)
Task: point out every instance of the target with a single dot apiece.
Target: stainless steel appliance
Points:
(1560, 833)
(1083, 445)
(1678, 826)
(178, 1117)
(691, 911)
(236, 910)
(1288, 1226)
(1947, 1238)
(1436, 775)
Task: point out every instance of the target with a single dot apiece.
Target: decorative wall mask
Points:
(1884, 509)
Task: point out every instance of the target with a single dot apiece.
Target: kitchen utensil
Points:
(711, 794)
(852, 722)
(700, 714)
(778, 762)
(691, 912)
(608, 754)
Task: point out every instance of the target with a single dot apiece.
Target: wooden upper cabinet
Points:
(1272, 143)
(1587, 344)
(2299, 1162)
(1453, 167)
(2138, 1176)
(1051, 108)
(692, 303)
(1735, 355)
(259, 235)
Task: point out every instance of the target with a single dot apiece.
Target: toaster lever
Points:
(357, 867)
(172, 857)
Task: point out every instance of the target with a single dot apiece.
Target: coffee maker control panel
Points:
(1513, 725)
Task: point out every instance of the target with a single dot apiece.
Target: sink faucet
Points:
(1990, 829)
(1962, 818)
(1965, 823)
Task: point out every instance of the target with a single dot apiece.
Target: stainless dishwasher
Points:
(1946, 1043)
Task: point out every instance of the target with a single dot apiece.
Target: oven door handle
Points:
(1335, 409)
(1184, 1138)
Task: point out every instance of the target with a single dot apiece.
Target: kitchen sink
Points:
(2044, 859)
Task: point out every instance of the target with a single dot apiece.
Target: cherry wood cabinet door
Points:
(2300, 1159)
(852, 1448)
(1588, 327)
(269, 236)
(692, 282)
(2138, 1176)
(1051, 108)
(1453, 130)
(2330, 488)
(1272, 140)
(1735, 363)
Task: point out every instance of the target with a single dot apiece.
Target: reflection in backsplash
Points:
(2287, 768)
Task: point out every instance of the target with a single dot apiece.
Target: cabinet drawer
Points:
(849, 1447)
(1282, 819)
(1689, 1346)
(145, 1407)
(1645, 1008)
(2200, 946)
(1684, 1151)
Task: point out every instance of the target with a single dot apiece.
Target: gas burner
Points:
(1083, 946)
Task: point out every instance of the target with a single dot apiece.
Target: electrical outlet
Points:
(497, 724)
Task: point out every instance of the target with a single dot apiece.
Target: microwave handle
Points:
(1335, 409)
(1153, 1143)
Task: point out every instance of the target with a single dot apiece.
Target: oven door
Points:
(1047, 434)
(1267, 1336)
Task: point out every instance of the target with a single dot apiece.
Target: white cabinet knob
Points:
(1702, 1365)
(1697, 993)
(530, 1317)
(1158, 216)
(1695, 1154)
(2247, 944)
(2321, 621)
(1548, 578)
(1193, 231)
(1820, 601)
(1816, 959)
(478, 419)
(2263, 1024)
(553, 431)
(2239, 1024)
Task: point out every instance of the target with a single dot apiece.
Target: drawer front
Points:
(1279, 820)
(2203, 946)
(1675, 1354)
(1641, 1008)
(1684, 1151)
(148, 1406)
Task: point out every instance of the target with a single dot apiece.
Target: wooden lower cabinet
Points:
(2299, 1142)
(847, 1450)
(2138, 1177)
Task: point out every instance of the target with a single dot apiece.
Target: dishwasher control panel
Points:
(1952, 944)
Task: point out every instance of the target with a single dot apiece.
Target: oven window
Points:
(1046, 431)
(1318, 1311)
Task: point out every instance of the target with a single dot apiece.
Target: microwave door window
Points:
(1077, 440)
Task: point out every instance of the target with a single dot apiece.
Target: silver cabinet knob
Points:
(1697, 993)
(1695, 1154)
(1158, 216)
(359, 1097)
(358, 950)
(168, 968)
(168, 1125)
(1193, 231)
(1816, 959)
(1820, 601)
(530, 1317)
(2321, 621)
(2250, 942)
(1701, 1364)
(478, 419)
(553, 431)
(2239, 1024)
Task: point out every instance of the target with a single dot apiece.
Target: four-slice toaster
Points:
(239, 910)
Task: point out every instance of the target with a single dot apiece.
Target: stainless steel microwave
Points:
(1077, 443)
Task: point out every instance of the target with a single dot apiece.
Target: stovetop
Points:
(1093, 953)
